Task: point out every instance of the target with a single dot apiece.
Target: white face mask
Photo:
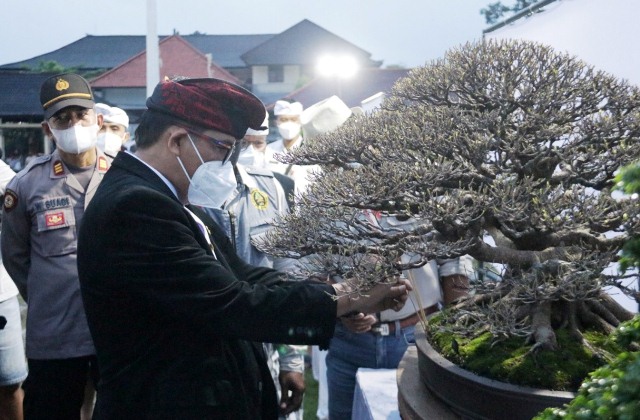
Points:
(76, 139)
(289, 130)
(109, 143)
(247, 156)
(212, 183)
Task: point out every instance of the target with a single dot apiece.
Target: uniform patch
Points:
(259, 199)
(58, 169)
(102, 164)
(54, 219)
(10, 200)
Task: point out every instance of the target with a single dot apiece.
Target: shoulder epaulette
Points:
(40, 160)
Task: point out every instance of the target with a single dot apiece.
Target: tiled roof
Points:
(89, 53)
(177, 58)
(226, 49)
(21, 95)
(353, 91)
(107, 51)
(302, 44)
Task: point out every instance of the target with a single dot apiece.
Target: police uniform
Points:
(43, 208)
(259, 200)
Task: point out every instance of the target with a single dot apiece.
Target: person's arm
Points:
(454, 277)
(380, 297)
(15, 240)
(359, 323)
(6, 175)
(291, 377)
(158, 254)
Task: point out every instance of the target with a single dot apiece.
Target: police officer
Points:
(43, 207)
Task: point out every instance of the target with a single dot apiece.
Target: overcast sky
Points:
(399, 32)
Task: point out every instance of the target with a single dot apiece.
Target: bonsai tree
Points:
(502, 150)
(613, 391)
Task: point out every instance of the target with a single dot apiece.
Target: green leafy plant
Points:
(628, 181)
(612, 391)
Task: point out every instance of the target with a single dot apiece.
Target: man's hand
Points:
(292, 386)
(359, 323)
(380, 297)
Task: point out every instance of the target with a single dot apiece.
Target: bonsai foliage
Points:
(505, 151)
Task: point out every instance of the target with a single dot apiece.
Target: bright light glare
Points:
(343, 66)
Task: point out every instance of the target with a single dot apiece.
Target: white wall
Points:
(122, 97)
(603, 33)
(261, 85)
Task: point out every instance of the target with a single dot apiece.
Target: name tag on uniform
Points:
(52, 203)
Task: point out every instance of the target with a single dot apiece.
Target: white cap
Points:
(324, 116)
(287, 108)
(112, 114)
(265, 132)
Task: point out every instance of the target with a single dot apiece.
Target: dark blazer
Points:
(174, 325)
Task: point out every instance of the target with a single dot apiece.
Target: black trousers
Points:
(54, 389)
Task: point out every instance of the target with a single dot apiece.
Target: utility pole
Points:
(153, 55)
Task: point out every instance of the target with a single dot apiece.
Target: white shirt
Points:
(7, 288)
(302, 174)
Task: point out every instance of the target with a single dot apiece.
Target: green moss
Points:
(510, 361)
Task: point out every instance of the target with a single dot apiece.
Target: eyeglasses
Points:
(221, 144)
(244, 145)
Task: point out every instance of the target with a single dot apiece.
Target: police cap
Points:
(63, 90)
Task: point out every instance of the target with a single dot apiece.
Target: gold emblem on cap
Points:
(62, 84)
(259, 199)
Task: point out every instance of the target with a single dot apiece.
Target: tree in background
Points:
(502, 150)
(495, 11)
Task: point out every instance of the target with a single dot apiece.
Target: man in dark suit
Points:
(174, 313)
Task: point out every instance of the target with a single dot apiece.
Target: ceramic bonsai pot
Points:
(475, 397)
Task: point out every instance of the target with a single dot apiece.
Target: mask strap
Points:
(183, 169)
(195, 148)
(180, 160)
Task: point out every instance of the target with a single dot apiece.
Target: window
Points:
(276, 74)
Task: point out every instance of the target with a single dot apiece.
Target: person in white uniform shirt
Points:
(114, 131)
(288, 120)
(254, 154)
(13, 365)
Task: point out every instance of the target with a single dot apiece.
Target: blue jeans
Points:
(13, 364)
(349, 351)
